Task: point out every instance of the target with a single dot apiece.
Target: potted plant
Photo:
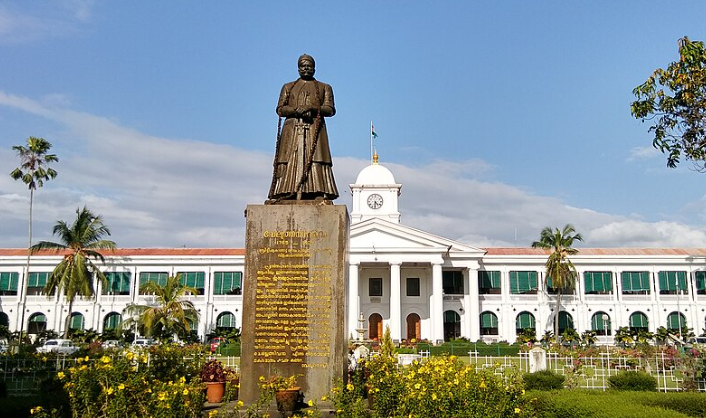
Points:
(285, 390)
(232, 384)
(213, 374)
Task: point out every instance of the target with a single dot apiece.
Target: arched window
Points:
(4, 319)
(600, 323)
(566, 321)
(676, 321)
(76, 322)
(524, 320)
(639, 322)
(225, 320)
(414, 327)
(452, 325)
(111, 321)
(488, 323)
(375, 327)
(37, 323)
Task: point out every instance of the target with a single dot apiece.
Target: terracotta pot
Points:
(287, 399)
(215, 391)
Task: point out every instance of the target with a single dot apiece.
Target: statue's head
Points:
(306, 67)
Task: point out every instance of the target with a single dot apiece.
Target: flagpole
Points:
(371, 142)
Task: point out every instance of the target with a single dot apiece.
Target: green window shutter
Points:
(193, 279)
(38, 279)
(224, 282)
(565, 320)
(626, 279)
(672, 281)
(674, 320)
(523, 281)
(112, 321)
(525, 320)
(700, 281)
(488, 320)
(118, 282)
(489, 279)
(38, 318)
(158, 277)
(598, 281)
(597, 322)
(8, 282)
(638, 320)
(76, 321)
(226, 320)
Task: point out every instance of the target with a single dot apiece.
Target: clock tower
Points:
(375, 194)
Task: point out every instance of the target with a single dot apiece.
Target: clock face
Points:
(375, 201)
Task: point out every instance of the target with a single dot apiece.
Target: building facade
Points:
(420, 285)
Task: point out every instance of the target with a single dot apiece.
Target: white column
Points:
(437, 305)
(395, 308)
(472, 305)
(353, 300)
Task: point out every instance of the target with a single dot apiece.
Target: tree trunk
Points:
(557, 337)
(25, 284)
(68, 319)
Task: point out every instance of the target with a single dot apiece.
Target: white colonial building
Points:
(423, 286)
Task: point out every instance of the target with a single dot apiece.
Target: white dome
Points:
(375, 174)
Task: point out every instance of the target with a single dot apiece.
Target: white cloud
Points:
(642, 153)
(55, 19)
(155, 191)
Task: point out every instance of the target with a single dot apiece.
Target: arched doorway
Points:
(488, 323)
(77, 322)
(414, 327)
(525, 321)
(4, 319)
(37, 323)
(639, 322)
(111, 321)
(566, 321)
(375, 327)
(452, 325)
(225, 321)
(600, 323)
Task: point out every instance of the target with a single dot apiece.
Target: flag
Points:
(372, 130)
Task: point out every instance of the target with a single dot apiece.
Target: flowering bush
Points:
(124, 386)
(275, 383)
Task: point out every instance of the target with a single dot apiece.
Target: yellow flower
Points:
(434, 397)
(149, 390)
(517, 410)
(350, 387)
(418, 385)
(240, 404)
(482, 384)
(85, 359)
(109, 391)
(212, 413)
(60, 375)
(129, 356)
(182, 379)
(323, 398)
(35, 410)
(105, 359)
(44, 359)
(185, 392)
(121, 386)
(311, 403)
(162, 396)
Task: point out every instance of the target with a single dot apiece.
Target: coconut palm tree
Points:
(80, 242)
(558, 266)
(34, 170)
(170, 315)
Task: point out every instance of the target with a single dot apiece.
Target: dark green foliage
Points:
(543, 380)
(3, 389)
(230, 349)
(598, 404)
(462, 348)
(633, 380)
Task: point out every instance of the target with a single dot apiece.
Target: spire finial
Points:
(375, 157)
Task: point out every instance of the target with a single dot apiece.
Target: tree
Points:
(34, 170)
(675, 100)
(559, 268)
(75, 273)
(171, 315)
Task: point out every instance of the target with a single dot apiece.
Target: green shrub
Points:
(230, 349)
(543, 380)
(633, 380)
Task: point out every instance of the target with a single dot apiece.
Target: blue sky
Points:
(499, 118)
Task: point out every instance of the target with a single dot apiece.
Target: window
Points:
(598, 282)
(525, 320)
(76, 322)
(413, 286)
(452, 282)
(600, 323)
(566, 321)
(452, 325)
(700, 282)
(227, 283)
(37, 282)
(568, 289)
(635, 282)
(672, 282)
(489, 282)
(118, 283)
(193, 279)
(158, 277)
(523, 282)
(225, 320)
(639, 322)
(111, 321)
(676, 321)
(375, 286)
(8, 284)
(488, 323)
(37, 323)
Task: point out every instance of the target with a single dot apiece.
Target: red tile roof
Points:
(603, 251)
(136, 252)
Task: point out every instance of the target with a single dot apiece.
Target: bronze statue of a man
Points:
(302, 167)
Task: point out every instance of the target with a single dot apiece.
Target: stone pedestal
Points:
(294, 291)
(537, 360)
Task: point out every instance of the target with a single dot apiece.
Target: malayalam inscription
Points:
(293, 299)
